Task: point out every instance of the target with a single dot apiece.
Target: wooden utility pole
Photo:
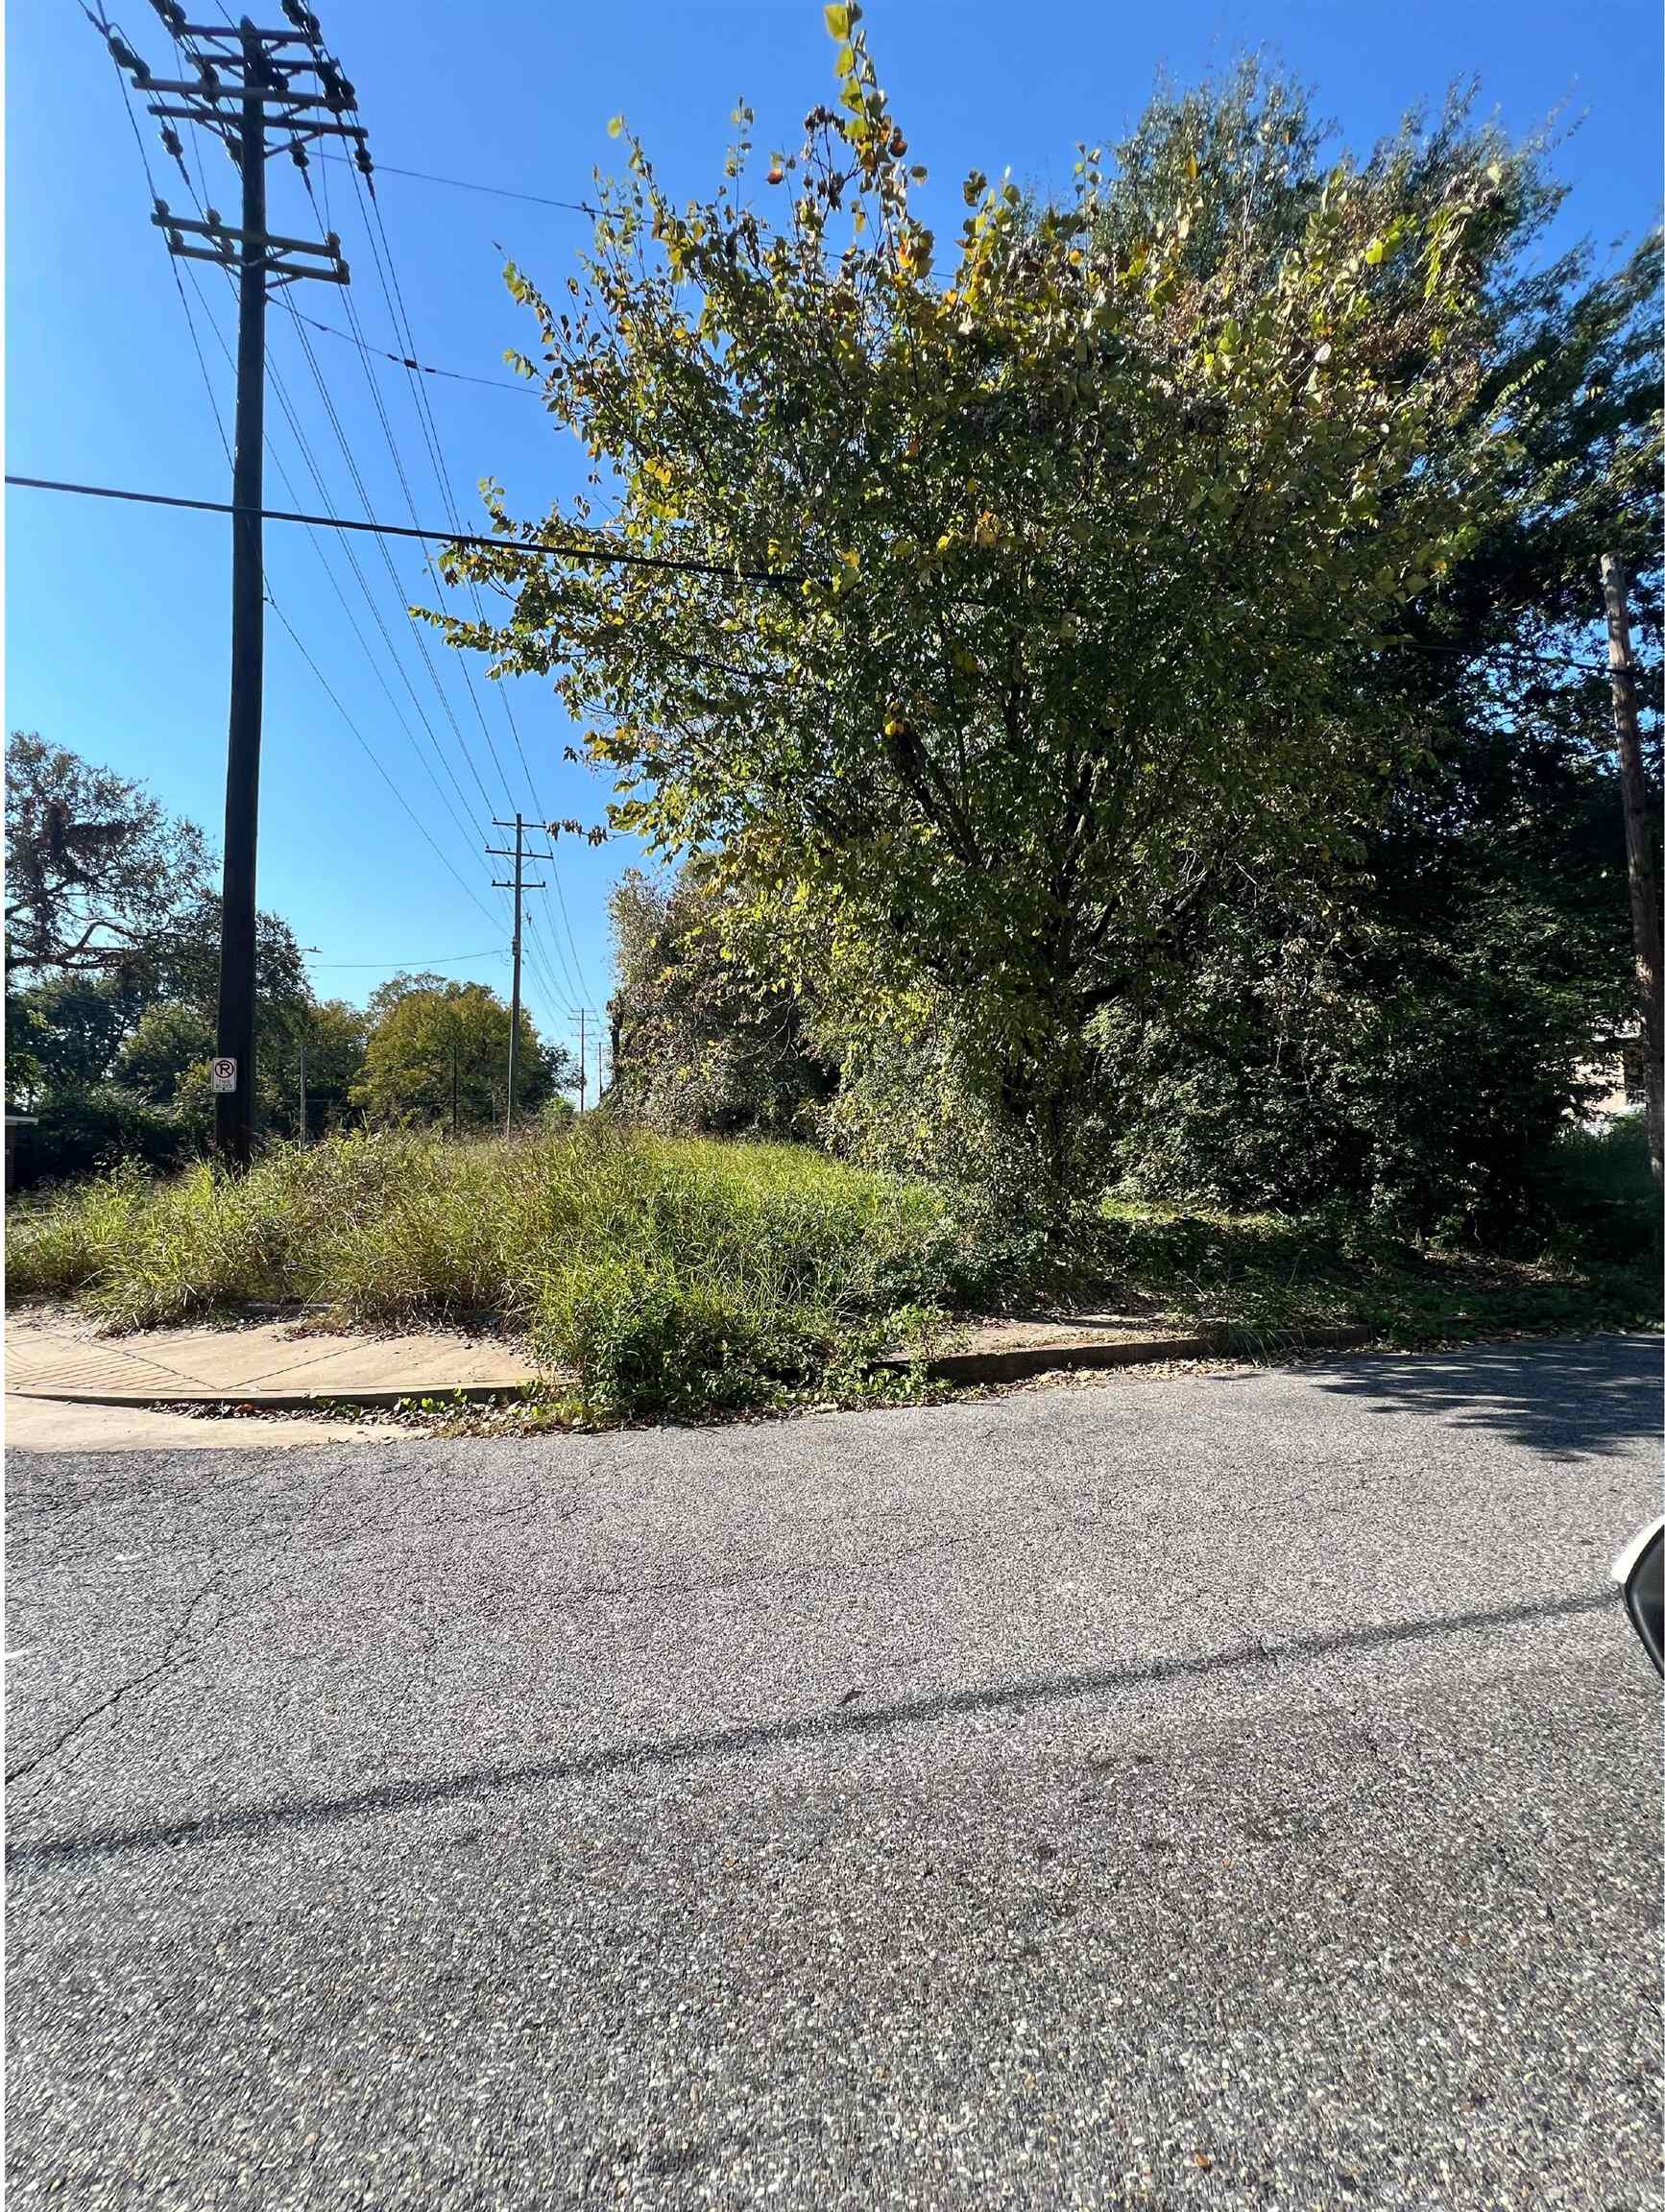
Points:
(581, 1012)
(518, 886)
(234, 1031)
(259, 92)
(1645, 922)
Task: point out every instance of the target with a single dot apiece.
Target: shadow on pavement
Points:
(842, 1722)
(1569, 1401)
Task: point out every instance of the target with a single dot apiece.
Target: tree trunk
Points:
(1041, 1094)
(1645, 920)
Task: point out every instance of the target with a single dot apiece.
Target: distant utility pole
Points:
(248, 82)
(1645, 922)
(301, 1043)
(582, 1012)
(520, 853)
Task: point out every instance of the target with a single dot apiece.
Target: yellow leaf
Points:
(614, 126)
(837, 22)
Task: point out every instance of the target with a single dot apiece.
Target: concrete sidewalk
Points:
(53, 1353)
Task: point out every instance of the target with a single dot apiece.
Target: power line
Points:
(393, 578)
(560, 549)
(447, 960)
(237, 113)
(533, 950)
(102, 28)
(393, 294)
(405, 332)
(307, 455)
(398, 313)
(120, 55)
(404, 361)
(358, 481)
(536, 954)
(428, 558)
(462, 184)
(569, 552)
(282, 390)
(382, 771)
(219, 424)
(375, 614)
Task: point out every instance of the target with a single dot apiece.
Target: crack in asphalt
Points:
(845, 1720)
(164, 1664)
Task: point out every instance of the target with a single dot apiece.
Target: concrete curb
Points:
(344, 1400)
(1009, 1363)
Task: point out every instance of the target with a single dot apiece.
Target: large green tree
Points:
(998, 599)
(113, 970)
(99, 877)
(1413, 1025)
(329, 1041)
(170, 1039)
(703, 1037)
(432, 1042)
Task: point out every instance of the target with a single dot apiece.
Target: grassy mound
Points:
(665, 1273)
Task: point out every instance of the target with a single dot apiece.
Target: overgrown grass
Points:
(681, 1275)
(664, 1273)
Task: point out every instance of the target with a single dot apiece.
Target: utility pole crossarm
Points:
(278, 95)
(164, 219)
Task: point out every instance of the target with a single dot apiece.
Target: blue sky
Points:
(116, 627)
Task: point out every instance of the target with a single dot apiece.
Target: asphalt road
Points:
(1230, 1790)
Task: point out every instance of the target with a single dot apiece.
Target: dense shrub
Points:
(1599, 1190)
(82, 1128)
(660, 1273)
